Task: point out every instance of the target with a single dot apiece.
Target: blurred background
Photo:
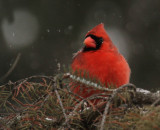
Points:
(45, 32)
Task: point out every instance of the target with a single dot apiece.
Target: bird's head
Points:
(97, 38)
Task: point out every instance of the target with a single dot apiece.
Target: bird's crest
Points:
(99, 31)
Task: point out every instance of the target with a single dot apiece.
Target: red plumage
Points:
(101, 60)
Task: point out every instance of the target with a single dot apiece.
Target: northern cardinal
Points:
(101, 60)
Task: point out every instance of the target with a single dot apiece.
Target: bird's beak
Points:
(89, 42)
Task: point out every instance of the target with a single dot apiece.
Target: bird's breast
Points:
(107, 67)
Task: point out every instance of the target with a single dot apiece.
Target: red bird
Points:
(101, 60)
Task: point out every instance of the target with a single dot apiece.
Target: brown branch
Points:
(60, 102)
(145, 97)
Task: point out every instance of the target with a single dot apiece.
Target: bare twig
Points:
(22, 81)
(156, 102)
(74, 93)
(75, 108)
(61, 104)
(110, 101)
(11, 68)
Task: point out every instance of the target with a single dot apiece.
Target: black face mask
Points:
(98, 40)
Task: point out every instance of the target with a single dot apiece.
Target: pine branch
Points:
(141, 96)
(86, 82)
(45, 102)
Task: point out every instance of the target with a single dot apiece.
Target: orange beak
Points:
(90, 43)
